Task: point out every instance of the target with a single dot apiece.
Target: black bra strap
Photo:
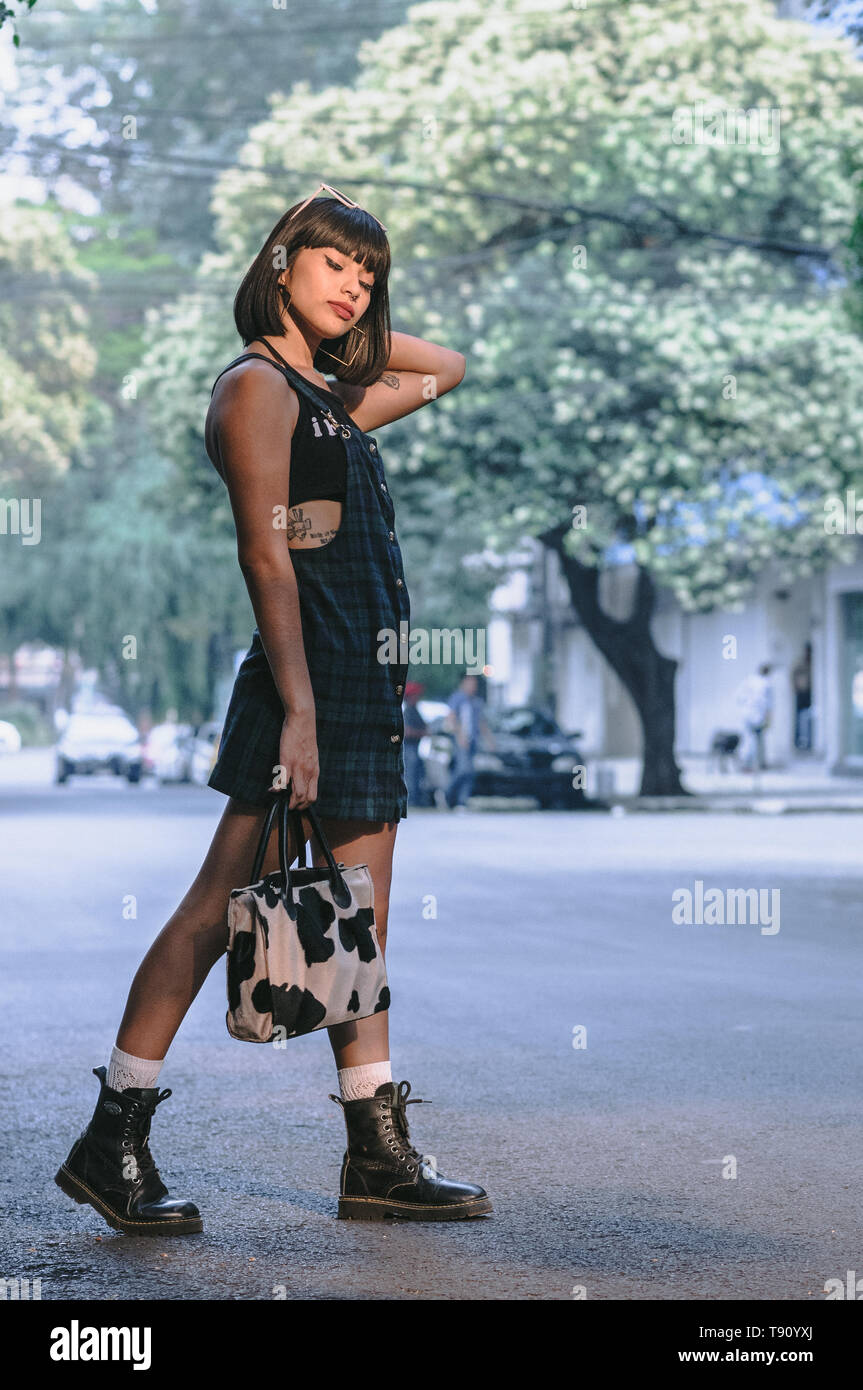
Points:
(278, 356)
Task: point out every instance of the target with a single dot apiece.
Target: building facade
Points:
(539, 653)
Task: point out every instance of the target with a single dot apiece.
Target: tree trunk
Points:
(628, 647)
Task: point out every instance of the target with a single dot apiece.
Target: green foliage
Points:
(7, 13)
(170, 90)
(36, 731)
(46, 357)
(144, 595)
(854, 244)
(690, 424)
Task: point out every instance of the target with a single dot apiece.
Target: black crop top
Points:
(318, 462)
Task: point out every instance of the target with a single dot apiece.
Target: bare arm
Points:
(416, 372)
(255, 417)
(486, 732)
(452, 724)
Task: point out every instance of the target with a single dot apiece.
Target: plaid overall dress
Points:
(355, 613)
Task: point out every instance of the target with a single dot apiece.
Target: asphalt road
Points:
(707, 1048)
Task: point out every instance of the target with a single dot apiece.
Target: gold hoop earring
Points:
(283, 292)
(353, 355)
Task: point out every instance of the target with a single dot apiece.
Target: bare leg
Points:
(372, 843)
(194, 937)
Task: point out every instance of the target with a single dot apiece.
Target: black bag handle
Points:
(280, 806)
(261, 851)
(340, 890)
(258, 863)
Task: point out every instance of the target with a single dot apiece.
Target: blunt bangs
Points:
(353, 232)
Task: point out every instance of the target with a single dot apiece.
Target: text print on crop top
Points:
(318, 461)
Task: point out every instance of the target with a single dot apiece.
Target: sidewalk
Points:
(804, 784)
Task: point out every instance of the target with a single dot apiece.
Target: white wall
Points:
(773, 626)
(840, 579)
(716, 651)
(581, 694)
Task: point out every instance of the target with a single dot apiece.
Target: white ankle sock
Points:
(358, 1083)
(124, 1071)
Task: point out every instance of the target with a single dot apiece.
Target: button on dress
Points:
(355, 613)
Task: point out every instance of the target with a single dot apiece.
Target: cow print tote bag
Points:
(303, 950)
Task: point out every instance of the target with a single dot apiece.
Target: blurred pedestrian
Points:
(466, 720)
(415, 727)
(755, 701)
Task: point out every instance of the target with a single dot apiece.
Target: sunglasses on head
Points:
(334, 193)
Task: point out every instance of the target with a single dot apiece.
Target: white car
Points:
(10, 739)
(103, 741)
(168, 752)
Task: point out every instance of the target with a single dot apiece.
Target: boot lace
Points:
(136, 1133)
(395, 1113)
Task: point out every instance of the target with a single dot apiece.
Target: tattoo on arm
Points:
(390, 379)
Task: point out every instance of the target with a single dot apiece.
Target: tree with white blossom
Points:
(634, 219)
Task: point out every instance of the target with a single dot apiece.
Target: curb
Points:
(764, 805)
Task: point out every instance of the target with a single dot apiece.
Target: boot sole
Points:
(82, 1194)
(379, 1209)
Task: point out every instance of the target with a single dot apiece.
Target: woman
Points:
(314, 707)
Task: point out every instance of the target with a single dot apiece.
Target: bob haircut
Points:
(258, 304)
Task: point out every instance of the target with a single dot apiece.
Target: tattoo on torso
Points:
(298, 525)
(303, 528)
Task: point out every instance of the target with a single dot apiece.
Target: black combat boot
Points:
(384, 1175)
(111, 1167)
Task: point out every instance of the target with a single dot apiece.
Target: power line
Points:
(150, 289)
(124, 150)
(360, 119)
(320, 25)
(626, 221)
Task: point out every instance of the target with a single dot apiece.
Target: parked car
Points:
(10, 739)
(204, 750)
(168, 752)
(433, 711)
(99, 741)
(531, 757)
